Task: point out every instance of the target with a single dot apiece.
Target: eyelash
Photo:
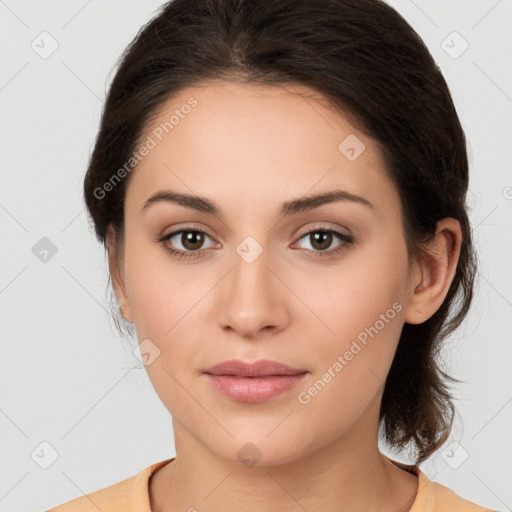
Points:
(346, 239)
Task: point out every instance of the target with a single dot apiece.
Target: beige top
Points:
(132, 495)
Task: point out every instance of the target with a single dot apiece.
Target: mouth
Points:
(253, 382)
(254, 389)
(262, 368)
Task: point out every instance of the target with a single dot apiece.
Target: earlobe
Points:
(117, 277)
(126, 312)
(432, 278)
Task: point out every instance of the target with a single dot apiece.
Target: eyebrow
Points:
(292, 207)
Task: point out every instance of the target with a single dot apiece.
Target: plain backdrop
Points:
(77, 411)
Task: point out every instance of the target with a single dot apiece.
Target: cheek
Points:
(164, 300)
(352, 364)
(156, 291)
(361, 311)
(354, 296)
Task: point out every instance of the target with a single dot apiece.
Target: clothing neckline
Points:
(422, 500)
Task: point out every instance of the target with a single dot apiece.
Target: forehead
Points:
(253, 141)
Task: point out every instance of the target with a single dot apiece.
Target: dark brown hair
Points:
(367, 61)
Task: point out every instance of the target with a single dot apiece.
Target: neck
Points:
(348, 474)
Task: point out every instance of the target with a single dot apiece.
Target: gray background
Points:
(66, 379)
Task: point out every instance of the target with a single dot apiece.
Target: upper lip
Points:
(260, 368)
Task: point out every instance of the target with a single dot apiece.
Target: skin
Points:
(249, 148)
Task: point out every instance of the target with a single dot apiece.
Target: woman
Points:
(281, 189)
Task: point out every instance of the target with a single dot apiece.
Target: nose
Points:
(252, 299)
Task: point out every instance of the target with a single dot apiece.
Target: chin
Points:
(259, 451)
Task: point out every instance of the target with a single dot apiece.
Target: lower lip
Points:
(254, 389)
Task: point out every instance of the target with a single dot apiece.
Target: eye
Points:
(191, 241)
(321, 240)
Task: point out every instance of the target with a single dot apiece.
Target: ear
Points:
(433, 277)
(117, 275)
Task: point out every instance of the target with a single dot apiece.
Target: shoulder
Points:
(128, 495)
(105, 499)
(445, 499)
(435, 497)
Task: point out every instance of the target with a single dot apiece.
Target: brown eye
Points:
(321, 241)
(185, 242)
(192, 240)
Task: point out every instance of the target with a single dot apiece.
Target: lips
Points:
(253, 382)
(262, 368)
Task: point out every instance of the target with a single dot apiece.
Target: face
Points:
(323, 288)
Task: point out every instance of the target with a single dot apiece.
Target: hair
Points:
(369, 63)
